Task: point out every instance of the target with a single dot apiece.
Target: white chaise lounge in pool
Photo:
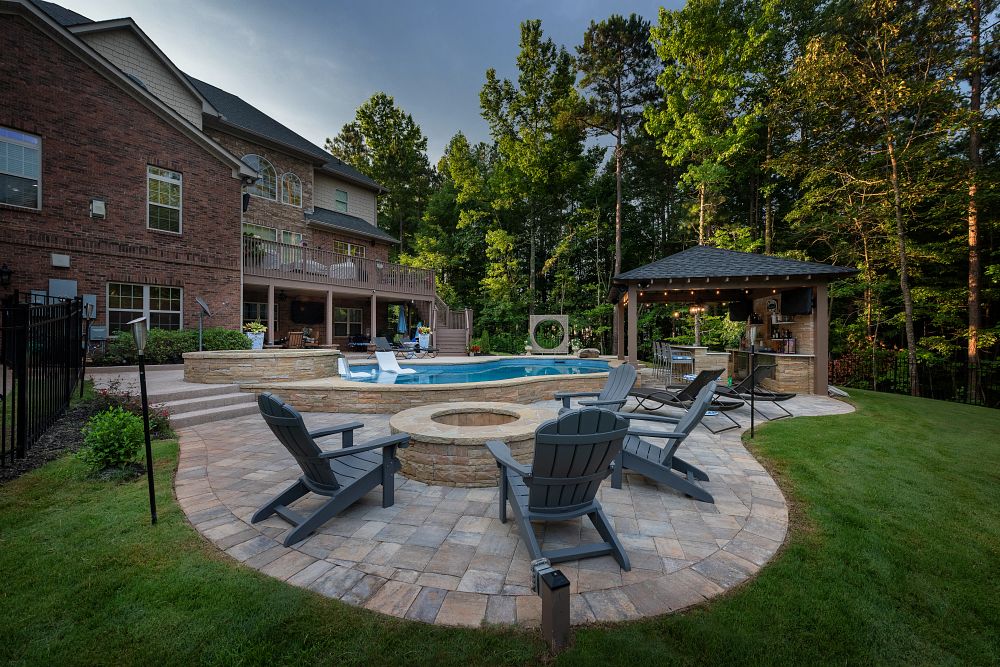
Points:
(387, 364)
(344, 367)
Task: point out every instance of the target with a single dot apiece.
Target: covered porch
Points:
(784, 301)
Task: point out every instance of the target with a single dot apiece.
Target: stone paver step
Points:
(208, 415)
(180, 391)
(185, 405)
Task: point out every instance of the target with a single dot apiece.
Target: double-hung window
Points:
(20, 169)
(341, 201)
(163, 188)
(346, 321)
(160, 305)
(345, 248)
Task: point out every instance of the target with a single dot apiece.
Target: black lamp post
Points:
(753, 373)
(139, 332)
(88, 319)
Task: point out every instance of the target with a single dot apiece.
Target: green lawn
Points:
(894, 558)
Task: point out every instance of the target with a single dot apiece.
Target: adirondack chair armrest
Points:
(649, 418)
(334, 430)
(401, 440)
(501, 452)
(599, 403)
(657, 434)
(576, 394)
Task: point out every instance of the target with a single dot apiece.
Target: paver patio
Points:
(440, 555)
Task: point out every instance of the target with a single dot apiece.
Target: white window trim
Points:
(41, 157)
(277, 232)
(281, 184)
(145, 304)
(180, 209)
(277, 180)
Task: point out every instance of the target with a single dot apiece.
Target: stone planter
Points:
(256, 341)
(425, 341)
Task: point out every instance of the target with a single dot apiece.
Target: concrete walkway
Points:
(440, 555)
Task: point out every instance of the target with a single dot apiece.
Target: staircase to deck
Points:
(452, 329)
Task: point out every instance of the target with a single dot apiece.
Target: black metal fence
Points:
(952, 379)
(41, 358)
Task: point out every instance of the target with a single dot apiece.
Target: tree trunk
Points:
(701, 214)
(904, 272)
(618, 215)
(768, 205)
(975, 162)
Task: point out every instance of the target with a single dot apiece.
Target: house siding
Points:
(360, 202)
(131, 56)
(96, 143)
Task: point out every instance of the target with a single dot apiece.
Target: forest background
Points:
(860, 133)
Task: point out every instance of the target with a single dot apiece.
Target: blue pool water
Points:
(502, 369)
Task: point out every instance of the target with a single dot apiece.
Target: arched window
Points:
(291, 189)
(267, 185)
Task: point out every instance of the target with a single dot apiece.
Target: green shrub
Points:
(111, 439)
(165, 346)
(507, 343)
(484, 342)
(124, 395)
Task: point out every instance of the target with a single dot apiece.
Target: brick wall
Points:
(97, 142)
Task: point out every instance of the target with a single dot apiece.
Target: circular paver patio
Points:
(440, 554)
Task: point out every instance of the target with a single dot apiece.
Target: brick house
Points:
(126, 181)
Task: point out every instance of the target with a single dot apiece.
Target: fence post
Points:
(20, 312)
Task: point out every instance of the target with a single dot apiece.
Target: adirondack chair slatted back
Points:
(287, 425)
(691, 418)
(295, 340)
(619, 384)
(573, 455)
(690, 392)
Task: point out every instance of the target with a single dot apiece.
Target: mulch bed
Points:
(63, 436)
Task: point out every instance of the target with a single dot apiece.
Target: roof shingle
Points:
(706, 262)
(348, 223)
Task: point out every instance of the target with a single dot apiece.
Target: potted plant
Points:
(474, 350)
(255, 332)
(424, 337)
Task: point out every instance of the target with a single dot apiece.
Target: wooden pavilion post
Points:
(633, 324)
(620, 330)
(821, 342)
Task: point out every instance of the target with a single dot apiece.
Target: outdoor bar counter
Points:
(791, 372)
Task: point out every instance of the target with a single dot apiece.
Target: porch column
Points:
(620, 330)
(270, 314)
(633, 324)
(821, 341)
(374, 320)
(329, 317)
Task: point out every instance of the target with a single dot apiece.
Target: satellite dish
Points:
(204, 306)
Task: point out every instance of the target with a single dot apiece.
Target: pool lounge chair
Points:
(343, 475)
(387, 363)
(661, 464)
(344, 367)
(573, 454)
(683, 397)
(741, 391)
(620, 382)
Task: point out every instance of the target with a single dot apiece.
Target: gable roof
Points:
(348, 223)
(705, 262)
(236, 112)
(61, 15)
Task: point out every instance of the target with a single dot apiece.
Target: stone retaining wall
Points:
(252, 366)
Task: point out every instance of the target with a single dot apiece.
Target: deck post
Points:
(329, 317)
(821, 341)
(270, 314)
(633, 324)
(374, 321)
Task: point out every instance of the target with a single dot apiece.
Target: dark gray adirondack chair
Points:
(573, 454)
(659, 463)
(611, 397)
(343, 475)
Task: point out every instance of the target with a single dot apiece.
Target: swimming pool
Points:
(487, 371)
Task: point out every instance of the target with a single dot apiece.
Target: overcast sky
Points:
(311, 64)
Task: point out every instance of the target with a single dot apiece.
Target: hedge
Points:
(166, 347)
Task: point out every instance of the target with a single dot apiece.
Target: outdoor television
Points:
(797, 301)
(739, 311)
(308, 312)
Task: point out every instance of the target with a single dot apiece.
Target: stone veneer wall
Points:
(343, 396)
(248, 366)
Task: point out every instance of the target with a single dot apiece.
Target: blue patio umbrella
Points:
(402, 328)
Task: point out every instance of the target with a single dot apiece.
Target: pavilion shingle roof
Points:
(706, 262)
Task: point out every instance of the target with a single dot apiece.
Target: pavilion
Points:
(788, 297)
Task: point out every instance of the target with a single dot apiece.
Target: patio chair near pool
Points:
(344, 368)
(741, 391)
(652, 398)
(573, 454)
(620, 382)
(343, 475)
(387, 363)
(661, 464)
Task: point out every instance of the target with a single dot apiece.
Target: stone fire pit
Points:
(446, 439)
